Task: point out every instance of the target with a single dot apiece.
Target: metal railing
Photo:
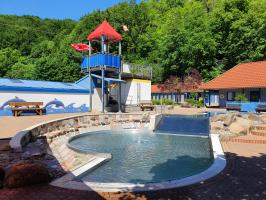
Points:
(138, 70)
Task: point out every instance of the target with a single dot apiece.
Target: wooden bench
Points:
(261, 108)
(233, 107)
(146, 105)
(19, 107)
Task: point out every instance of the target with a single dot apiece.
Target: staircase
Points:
(257, 135)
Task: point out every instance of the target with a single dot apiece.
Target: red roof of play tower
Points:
(105, 29)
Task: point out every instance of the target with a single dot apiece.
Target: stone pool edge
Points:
(68, 181)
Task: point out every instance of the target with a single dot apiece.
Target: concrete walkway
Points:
(10, 125)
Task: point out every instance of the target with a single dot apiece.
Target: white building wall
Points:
(97, 100)
(66, 98)
(72, 101)
(133, 91)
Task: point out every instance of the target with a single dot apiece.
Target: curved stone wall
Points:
(60, 127)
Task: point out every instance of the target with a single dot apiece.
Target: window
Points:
(230, 96)
(255, 96)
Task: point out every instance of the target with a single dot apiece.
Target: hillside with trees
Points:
(173, 36)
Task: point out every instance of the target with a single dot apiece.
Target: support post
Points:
(120, 48)
(102, 89)
(260, 94)
(209, 96)
(119, 84)
(102, 44)
(204, 100)
(119, 94)
(90, 76)
(102, 68)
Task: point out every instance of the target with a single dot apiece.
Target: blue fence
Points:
(247, 106)
(96, 60)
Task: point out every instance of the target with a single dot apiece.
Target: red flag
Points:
(81, 47)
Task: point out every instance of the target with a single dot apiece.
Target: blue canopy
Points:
(7, 84)
(111, 80)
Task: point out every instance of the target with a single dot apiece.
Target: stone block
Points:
(230, 118)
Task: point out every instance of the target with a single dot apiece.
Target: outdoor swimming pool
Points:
(143, 156)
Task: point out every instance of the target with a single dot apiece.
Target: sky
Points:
(56, 9)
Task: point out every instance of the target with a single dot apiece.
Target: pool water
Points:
(145, 156)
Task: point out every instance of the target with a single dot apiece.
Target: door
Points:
(255, 96)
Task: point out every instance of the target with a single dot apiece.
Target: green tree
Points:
(173, 36)
(185, 40)
(21, 71)
(8, 57)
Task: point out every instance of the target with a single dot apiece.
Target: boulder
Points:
(2, 176)
(26, 173)
(186, 105)
(229, 119)
(5, 147)
(240, 126)
(255, 118)
(216, 126)
(263, 118)
(216, 118)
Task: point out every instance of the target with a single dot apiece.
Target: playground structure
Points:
(117, 80)
(104, 66)
(109, 86)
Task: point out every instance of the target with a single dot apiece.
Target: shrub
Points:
(156, 102)
(168, 102)
(193, 95)
(195, 103)
(241, 97)
(164, 102)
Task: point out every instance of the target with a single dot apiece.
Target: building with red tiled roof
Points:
(156, 88)
(158, 92)
(245, 78)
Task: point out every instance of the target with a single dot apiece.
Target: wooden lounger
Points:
(236, 107)
(261, 108)
(146, 105)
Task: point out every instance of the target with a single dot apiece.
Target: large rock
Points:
(186, 105)
(263, 118)
(216, 118)
(229, 119)
(255, 118)
(26, 173)
(217, 125)
(2, 176)
(5, 147)
(240, 126)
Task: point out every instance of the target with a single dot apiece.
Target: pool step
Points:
(259, 130)
(261, 133)
(92, 164)
(251, 139)
(261, 127)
